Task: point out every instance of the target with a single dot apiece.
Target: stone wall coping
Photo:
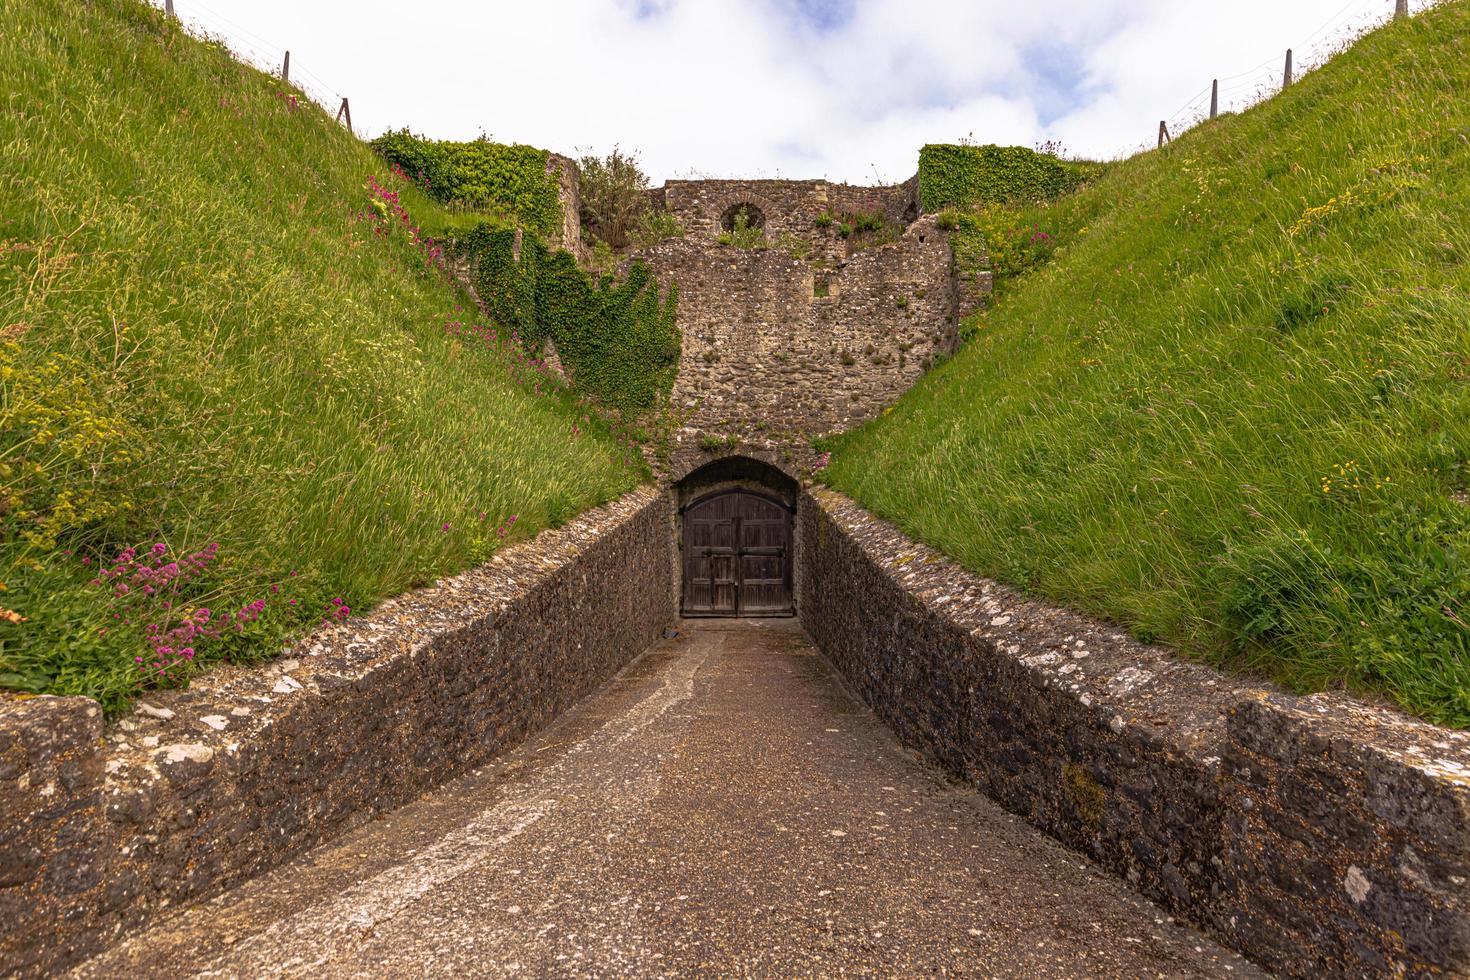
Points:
(738, 182)
(1183, 703)
(229, 705)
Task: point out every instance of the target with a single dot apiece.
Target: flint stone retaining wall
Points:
(769, 364)
(205, 787)
(1318, 835)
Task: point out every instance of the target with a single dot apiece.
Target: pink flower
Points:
(445, 526)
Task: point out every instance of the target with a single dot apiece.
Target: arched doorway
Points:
(737, 556)
(737, 540)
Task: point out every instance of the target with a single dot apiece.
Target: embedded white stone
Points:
(217, 722)
(193, 752)
(1357, 884)
(144, 708)
(1129, 678)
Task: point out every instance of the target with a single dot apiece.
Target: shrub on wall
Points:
(614, 196)
(964, 176)
(479, 175)
(617, 340)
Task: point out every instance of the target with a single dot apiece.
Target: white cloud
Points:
(751, 87)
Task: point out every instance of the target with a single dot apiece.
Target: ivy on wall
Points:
(965, 176)
(479, 175)
(617, 340)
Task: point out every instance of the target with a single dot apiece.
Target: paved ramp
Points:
(723, 808)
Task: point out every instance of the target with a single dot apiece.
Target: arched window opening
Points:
(742, 216)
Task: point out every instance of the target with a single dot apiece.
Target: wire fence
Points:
(202, 21)
(1230, 93)
(1233, 93)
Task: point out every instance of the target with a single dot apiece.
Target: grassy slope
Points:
(204, 342)
(1233, 411)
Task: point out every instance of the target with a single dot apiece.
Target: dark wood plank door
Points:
(737, 556)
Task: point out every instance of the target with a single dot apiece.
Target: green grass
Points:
(1232, 411)
(211, 336)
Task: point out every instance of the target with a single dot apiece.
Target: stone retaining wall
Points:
(201, 788)
(1318, 835)
(770, 361)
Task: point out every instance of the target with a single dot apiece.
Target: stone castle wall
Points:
(790, 207)
(569, 192)
(778, 350)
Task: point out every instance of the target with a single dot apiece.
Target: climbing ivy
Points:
(964, 176)
(479, 175)
(616, 340)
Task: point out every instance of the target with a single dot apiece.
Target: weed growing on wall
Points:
(743, 234)
(653, 226)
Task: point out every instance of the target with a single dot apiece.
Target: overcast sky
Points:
(841, 89)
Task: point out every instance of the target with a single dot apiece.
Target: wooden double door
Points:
(737, 556)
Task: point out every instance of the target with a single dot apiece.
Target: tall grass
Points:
(210, 337)
(1233, 411)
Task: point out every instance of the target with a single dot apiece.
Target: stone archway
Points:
(760, 213)
(736, 536)
(754, 216)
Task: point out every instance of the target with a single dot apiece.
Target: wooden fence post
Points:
(1400, 9)
(346, 111)
(1286, 76)
(1215, 99)
(168, 8)
(286, 69)
(1163, 131)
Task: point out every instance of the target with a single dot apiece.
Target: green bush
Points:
(963, 176)
(479, 175)
(614, 197)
